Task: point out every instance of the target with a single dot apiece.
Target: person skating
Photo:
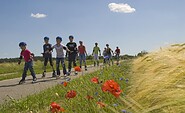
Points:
(96, 53)
(82, 54)
(110, 53)
(72, 46)
(47, 54)
(28, 58)
(60, 56)
(117, 54)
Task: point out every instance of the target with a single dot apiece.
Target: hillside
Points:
(158, 80)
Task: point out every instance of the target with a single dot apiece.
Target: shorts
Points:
(96, 57)
(82, 57)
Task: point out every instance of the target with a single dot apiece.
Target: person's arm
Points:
(115, 52)
(65, 48)
(93, 52)
(78, 50)
(19, 60)
(112, 52)
(100, 51)
(51, 48)
(85, 50)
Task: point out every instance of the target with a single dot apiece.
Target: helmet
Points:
(46, 38)
(71, 36)
(22, 44)
(96, 43)
(107, 44)
(58, 38)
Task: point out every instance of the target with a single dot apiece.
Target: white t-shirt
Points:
(59, 50)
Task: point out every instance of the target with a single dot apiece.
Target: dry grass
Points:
(158, 81)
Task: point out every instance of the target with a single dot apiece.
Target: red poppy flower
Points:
(95, 80)
(112, 87)
(89, 97)
(65, 84)
(71, 94)
(55, 108)
(77, 68)
(101, 104)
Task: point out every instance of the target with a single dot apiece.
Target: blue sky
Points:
(152, 24)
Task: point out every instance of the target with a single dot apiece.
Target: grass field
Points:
(158, 80)
(40, 103)
(13, 70)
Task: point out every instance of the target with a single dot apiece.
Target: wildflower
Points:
(55, 108)
(101, 104)
(89, 97)
(112, 87)
(65, 84)
(95, 80)
(77, 68)
(71, 94)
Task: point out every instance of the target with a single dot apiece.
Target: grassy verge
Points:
(13, 70)
(39, 103)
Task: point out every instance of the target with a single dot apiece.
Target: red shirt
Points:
(81, 49)
(117, 51)
(26, 55)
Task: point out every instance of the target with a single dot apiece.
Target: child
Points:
(117, 52)
(105, 57)
(28, 58)
(47, 47)
(72, 46)
(82, 54)
(109, 53)
(96, 51)
(60, 56)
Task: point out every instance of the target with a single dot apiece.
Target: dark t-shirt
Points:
(109, 51)
(47, 47)
(72, 46)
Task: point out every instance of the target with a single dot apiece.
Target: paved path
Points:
(10, 88)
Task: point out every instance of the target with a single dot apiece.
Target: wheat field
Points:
(158, 81)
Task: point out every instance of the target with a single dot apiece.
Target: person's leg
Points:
(45, 63)
(25, 71)
(69, 63)
(108, 60)
(30, 65)
(111, 60)
(81, 58)
(95, 59)
(57, 66)
(74, 60)
(117, 59)
(63, 66)
(84, 60)
(51, 64)
(104, 60)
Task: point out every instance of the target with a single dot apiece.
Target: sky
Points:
(133, 25)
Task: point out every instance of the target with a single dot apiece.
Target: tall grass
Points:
(158, 82)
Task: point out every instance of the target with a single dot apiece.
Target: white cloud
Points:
(38, 15)
(121, 8)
